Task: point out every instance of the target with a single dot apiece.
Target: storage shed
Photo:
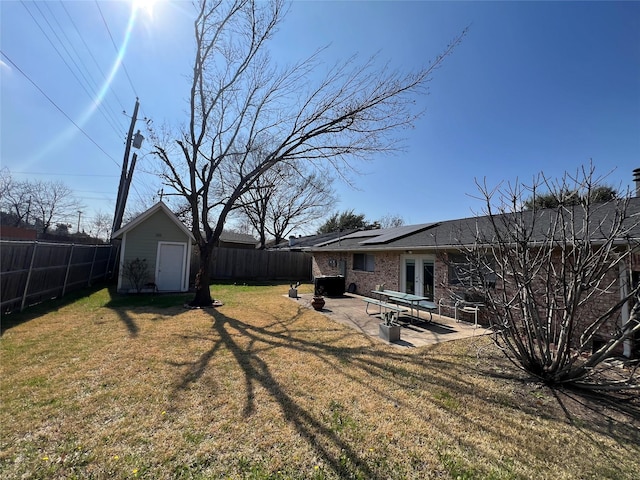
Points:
(162, 241)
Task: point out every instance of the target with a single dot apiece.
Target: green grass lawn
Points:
(111, 386)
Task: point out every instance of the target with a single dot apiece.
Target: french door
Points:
(417, 275)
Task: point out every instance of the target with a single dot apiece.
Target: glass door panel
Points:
(427, 280)
(418, 276)
(410, 276)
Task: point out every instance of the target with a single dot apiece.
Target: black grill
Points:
(329, 286)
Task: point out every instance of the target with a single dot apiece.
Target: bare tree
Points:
(51, 202)
(391, 221)
(545, 273)
(284, 199)
(5, 181)
(15, 199)
(101, 224)
(240, 100)
(43, 203)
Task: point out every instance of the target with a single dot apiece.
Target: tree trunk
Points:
(203, 292)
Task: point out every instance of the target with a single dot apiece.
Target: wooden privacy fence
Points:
(261, 265)
(31, 272)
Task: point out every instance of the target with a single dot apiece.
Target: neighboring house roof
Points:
(459, 232)
(233, 237)
(160, 206)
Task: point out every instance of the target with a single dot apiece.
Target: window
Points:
(363, 262)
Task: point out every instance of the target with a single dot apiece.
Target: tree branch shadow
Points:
(247, 344)
(605, 412)
(339, 455)
(614, 414)
(309, 427)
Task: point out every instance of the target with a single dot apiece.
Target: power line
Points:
(90, 53)
(93, 191)
(124, 67)
(102, 76)
(59, 109)
(116, 49)
(58, 46)
(91, 82)
(82, 197)
(64, 60)
(63, 174)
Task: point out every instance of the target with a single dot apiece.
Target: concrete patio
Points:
(350, 310)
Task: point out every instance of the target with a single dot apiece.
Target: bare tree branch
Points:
(241, 101)
(286, 198)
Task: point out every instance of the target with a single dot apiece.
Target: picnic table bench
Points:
(381, 304)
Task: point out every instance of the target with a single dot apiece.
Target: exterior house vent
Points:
(636, 179)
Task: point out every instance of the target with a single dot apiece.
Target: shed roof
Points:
(160, 206)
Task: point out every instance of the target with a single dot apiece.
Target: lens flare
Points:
(71, 131)
(145, 5)
(118, 61)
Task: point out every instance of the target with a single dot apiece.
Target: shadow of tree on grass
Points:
(124, 305)
(15, 318)
(257, 371)
(248, 343)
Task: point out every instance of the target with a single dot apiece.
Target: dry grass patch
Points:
(262, 388)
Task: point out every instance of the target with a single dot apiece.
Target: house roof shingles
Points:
(234, 237)
(455, 233)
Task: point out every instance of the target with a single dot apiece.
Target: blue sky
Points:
(535, 86)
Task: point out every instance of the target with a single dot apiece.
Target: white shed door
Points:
(170, 266)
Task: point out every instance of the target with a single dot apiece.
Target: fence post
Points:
(93, 262)
(106, 269)
(26, 287)
(115, 261)
(66, 275)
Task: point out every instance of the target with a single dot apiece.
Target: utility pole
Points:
(127, 175)
(28, 213)
(79, 215)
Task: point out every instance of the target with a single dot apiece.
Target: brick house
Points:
(426, 259)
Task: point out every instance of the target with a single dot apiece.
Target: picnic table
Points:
(415, 303)
(381, 304)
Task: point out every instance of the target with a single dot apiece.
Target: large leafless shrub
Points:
(557, 281)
